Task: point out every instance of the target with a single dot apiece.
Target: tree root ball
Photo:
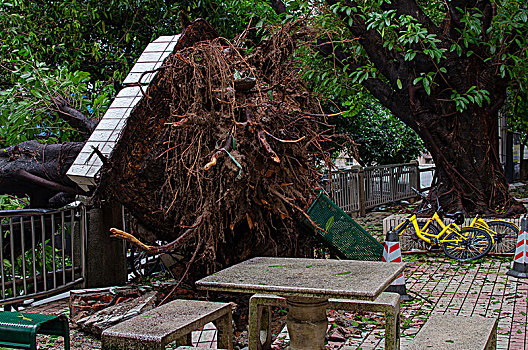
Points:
(224, 172)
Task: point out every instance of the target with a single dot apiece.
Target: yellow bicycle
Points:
(461, 243)
(503, 233)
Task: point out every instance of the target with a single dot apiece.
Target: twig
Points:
(324, 115)
(198, 246)
(116, 233)
(285, 141)
(262, 136)
(262, 139)
(99, 154)
(421, 297)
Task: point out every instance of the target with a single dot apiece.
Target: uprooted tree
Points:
(223, 172)
(220, 157)
(434, 65)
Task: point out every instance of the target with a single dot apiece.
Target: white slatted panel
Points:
(108, 131)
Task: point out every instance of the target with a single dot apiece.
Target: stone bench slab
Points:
(174, 321)
(450, 332)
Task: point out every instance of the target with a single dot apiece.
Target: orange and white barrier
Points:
(520, 260)
(392, 253)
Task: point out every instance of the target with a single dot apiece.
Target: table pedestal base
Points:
(307, 322)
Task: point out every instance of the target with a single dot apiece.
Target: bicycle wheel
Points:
(409, 240)
(471, 243)
(505, 234)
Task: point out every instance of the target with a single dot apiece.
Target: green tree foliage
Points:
(444, 69)
(381, 138)
(82, 50)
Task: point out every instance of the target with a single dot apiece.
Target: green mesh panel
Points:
(343, 235)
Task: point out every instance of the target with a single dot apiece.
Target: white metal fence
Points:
(357, 189)
(42, 252)
(344, 189)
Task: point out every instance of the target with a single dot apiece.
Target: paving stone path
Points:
(441, 285)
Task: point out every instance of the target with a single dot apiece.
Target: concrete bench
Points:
(260, 316)
(174, 321)
(449, 332)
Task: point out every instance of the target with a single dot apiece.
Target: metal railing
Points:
(42, 252)
(357, 189)
(344, 189)
(389, 183)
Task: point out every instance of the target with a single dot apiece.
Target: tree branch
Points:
(39, 171)
(389, 97)
(473, 6)
(390, 63)
(116, 233)
(411, 8)
(52, 185)
(278, 6)
(387, 62)
(76, 119)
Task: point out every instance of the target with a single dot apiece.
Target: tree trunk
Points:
(468, 166)
(451, 100)
(464, 144)
(39, 171)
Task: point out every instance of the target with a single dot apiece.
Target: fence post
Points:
(105, 256)
(416, 175)
(362, 194)
(393, 181)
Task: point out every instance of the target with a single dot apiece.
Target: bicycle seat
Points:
(457, 216)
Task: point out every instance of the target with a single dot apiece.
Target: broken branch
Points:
(116, 233)
(46, 183)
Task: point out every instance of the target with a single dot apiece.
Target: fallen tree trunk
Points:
(39, 171)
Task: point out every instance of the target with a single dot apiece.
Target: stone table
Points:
(307, 284)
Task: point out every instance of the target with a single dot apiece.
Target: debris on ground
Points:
(94, 310)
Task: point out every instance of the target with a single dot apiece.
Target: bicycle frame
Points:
(429, 237)
(480, 223)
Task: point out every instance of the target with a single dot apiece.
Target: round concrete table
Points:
(307, 284)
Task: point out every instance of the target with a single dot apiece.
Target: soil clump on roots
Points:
(220, 156)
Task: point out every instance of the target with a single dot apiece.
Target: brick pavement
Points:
(444, 286)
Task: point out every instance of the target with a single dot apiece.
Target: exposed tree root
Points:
(116, 233)
(226, 137)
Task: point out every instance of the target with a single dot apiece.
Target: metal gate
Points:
(42, 251)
